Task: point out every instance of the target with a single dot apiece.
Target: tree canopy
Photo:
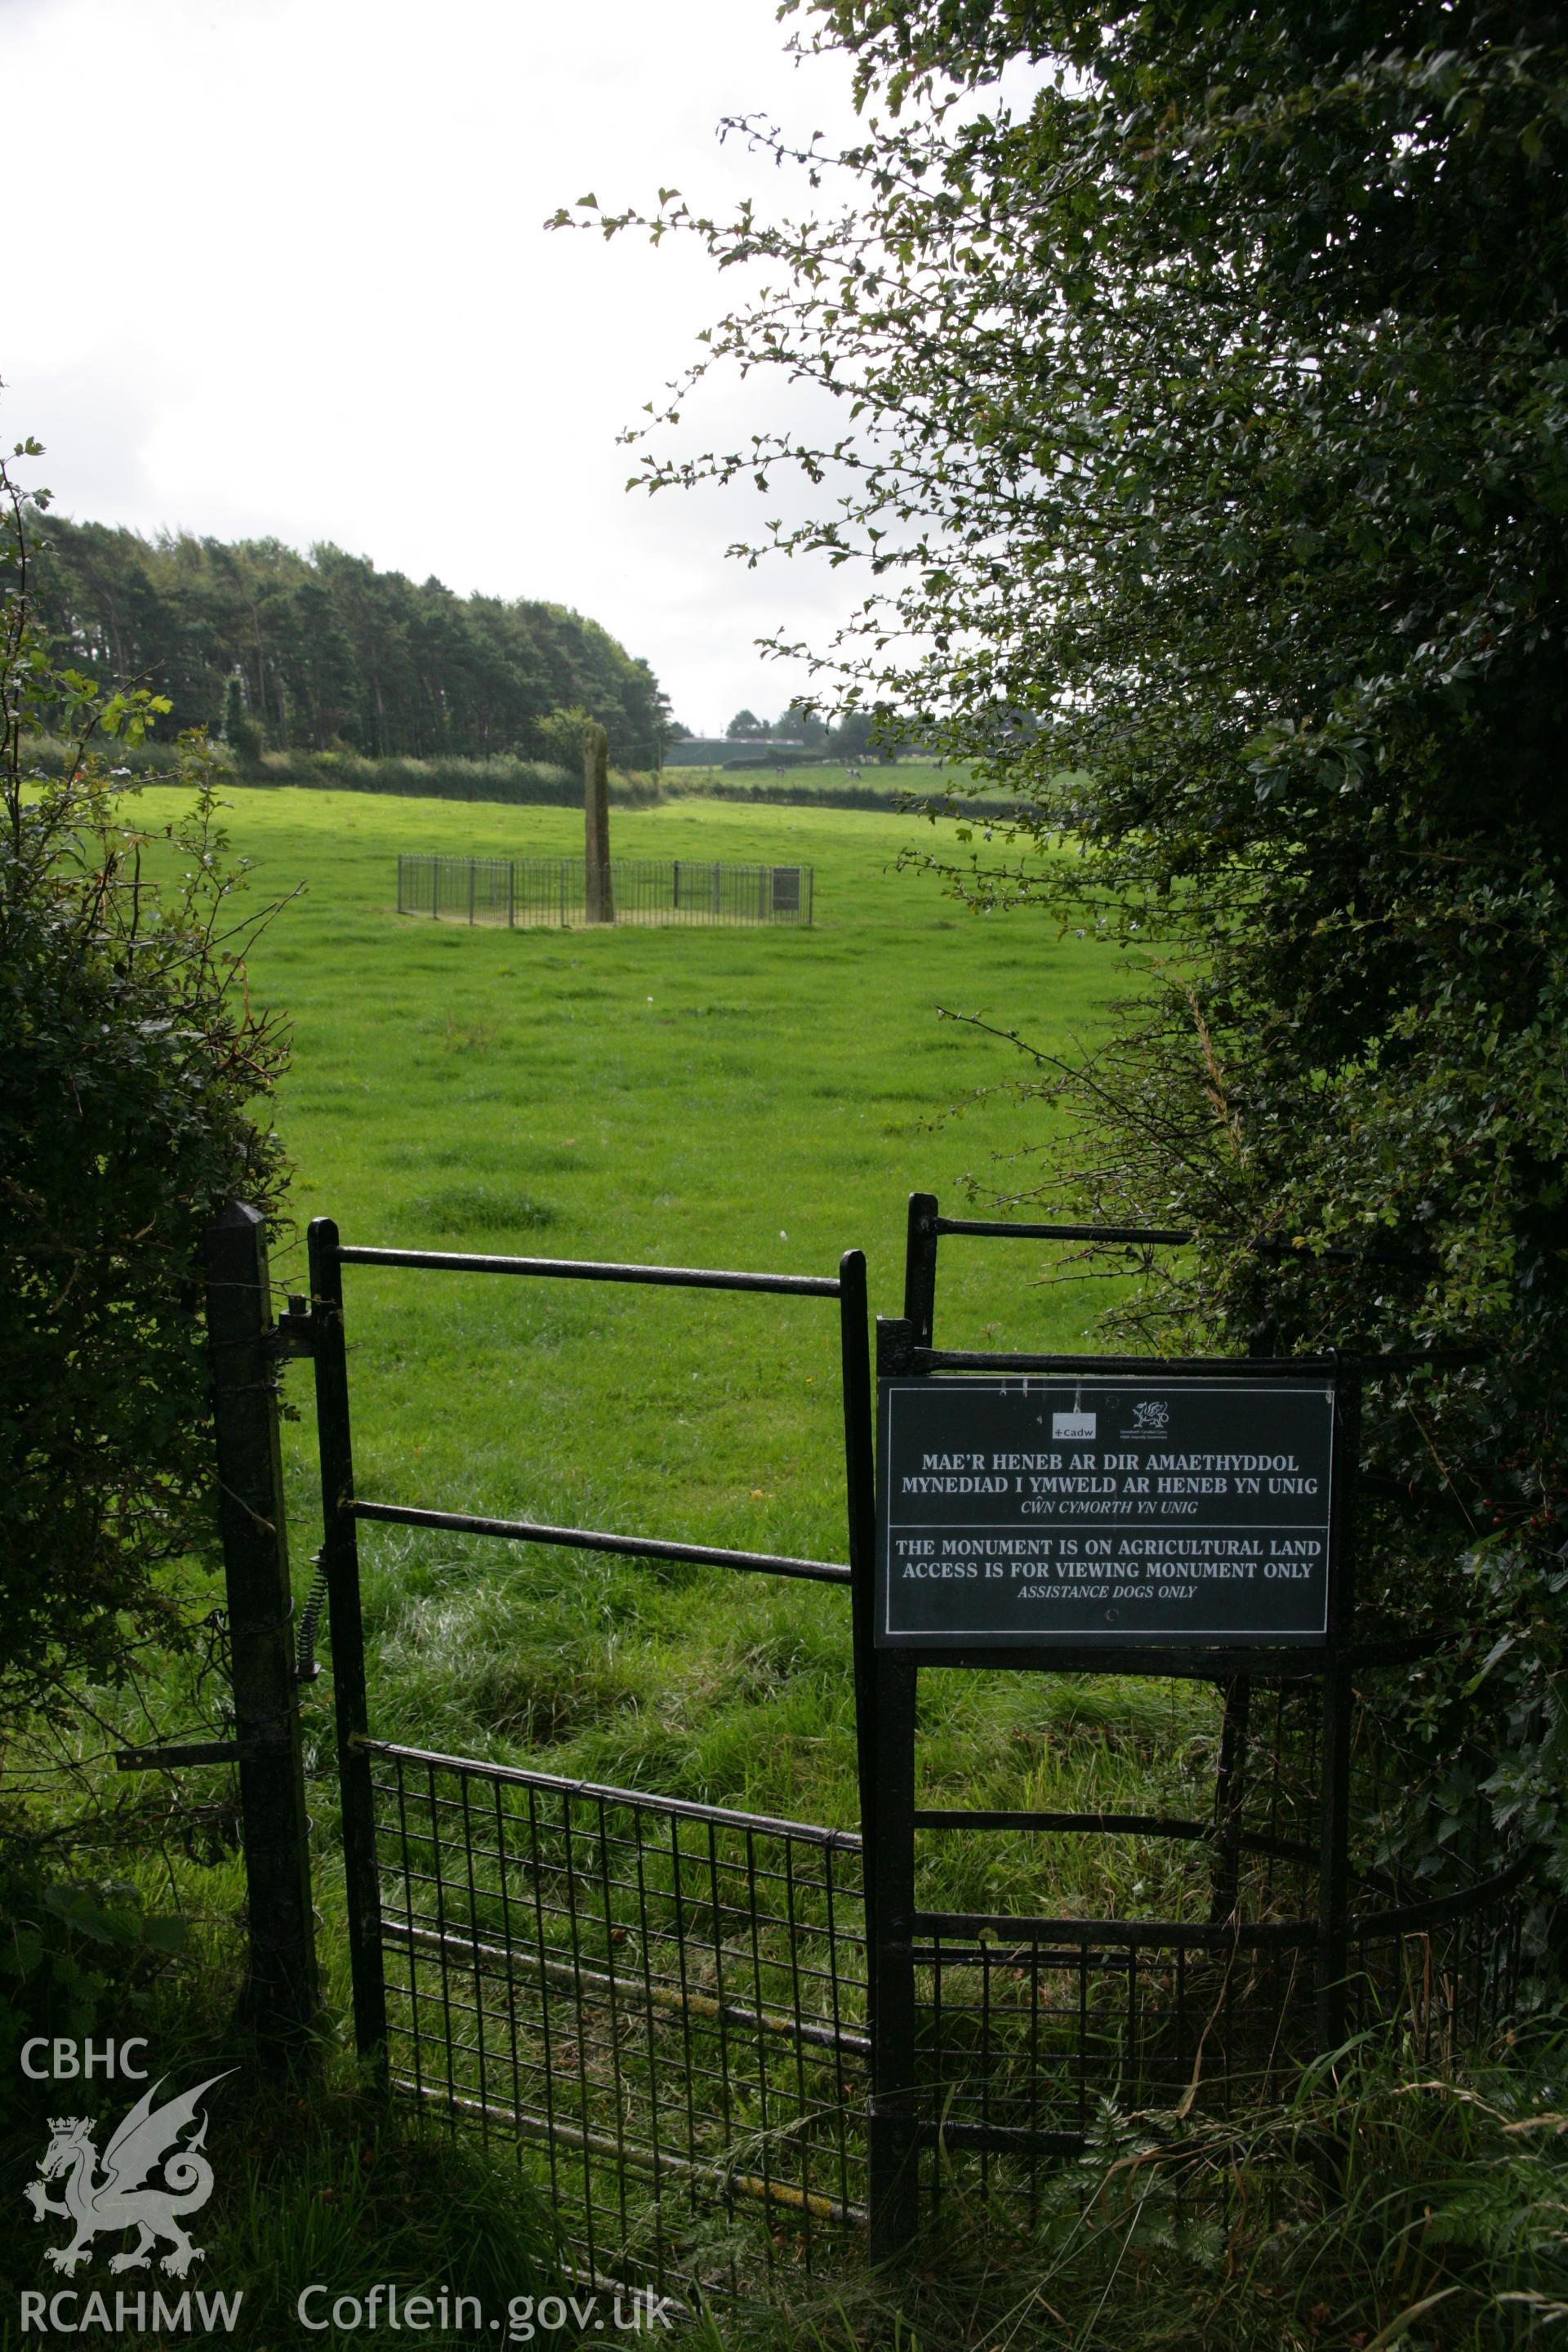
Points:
(285, 651)
(1199, 419)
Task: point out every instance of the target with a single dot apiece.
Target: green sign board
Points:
(1115, 1510)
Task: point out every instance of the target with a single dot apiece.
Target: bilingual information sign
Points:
(1117, 1510)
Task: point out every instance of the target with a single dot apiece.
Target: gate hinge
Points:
(895, 1345)
(294, 1333)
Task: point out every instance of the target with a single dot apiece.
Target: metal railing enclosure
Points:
(530, 891)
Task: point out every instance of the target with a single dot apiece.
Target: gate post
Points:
(1339, 1705)
(893, 2128)
(340, 1558)
(885, 1744)
(919, 1267)
(282, 1999)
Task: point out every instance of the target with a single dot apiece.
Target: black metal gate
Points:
(666, 2001)
(724, 2049)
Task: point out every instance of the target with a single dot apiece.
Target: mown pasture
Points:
(748, 1097)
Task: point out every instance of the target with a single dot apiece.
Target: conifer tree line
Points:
(278, 651)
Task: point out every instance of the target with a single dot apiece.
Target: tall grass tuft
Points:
(321, 2181)
(1387, 2206)
(336, 2189)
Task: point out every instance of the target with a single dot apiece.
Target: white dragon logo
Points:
(120, 2198)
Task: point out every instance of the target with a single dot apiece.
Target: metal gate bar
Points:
(408, 1514)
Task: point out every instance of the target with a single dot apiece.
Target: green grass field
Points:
(746, 1097)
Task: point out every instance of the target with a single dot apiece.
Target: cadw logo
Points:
(152, 2178)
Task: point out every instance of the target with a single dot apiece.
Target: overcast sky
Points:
(285, 273)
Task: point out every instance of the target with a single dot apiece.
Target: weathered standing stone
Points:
(598, 894)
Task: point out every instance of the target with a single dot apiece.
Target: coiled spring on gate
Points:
(305, 1667)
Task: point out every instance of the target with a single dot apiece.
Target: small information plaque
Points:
(1113, 1510)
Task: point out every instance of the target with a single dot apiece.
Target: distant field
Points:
(870, 775)
(759, 1098)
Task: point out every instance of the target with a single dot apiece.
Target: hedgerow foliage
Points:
(130, 1063)
(1200, 419)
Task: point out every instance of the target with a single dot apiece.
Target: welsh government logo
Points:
(123, 2189)
(1150, 1413)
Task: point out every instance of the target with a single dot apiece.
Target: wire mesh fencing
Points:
(1031, 2033)
(662, 2006)
(662, 2002)
(528, 891)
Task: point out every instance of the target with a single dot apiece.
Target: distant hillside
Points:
(281, 651)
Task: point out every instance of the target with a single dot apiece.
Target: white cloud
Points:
(293, 279)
